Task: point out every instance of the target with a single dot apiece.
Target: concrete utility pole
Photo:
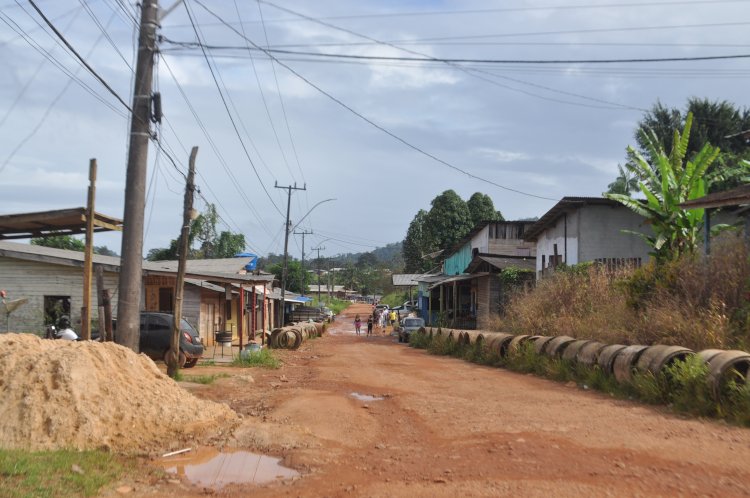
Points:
(289, 189)
(129, 294)
(187, 215)
(303, 233)
(318, 249)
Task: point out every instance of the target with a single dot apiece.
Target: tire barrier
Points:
(472, 337)
(724, 366)
(498, 343)
(571, 351)
(515, 344)
(589, 353)
(463, 339)
(557, 345)
(655, 359)
(540, 342)
(625, 362)
(291, 336)
(607, 355)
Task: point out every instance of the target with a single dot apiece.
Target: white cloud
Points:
(503, 156)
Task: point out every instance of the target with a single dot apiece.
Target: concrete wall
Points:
(556, 234)
(33, 280)
(602, 233)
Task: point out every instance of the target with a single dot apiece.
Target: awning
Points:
(50, 223)
(450, 280)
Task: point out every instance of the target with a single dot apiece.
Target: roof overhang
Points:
(52, 223)
(733, 197)
(551, 216)
(501, 262)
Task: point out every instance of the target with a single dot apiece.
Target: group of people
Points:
(379, 317)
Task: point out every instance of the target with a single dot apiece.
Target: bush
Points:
(263, 358)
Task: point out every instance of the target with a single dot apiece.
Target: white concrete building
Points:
(583, 229)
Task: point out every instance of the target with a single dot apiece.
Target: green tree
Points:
(481, 209)
(417, 245)
(60, 242)
(296, 276)
(714, 122)
(367, 260)
(625, 183)
(448, 220)
(104, 251)
(668, 180)
(164, 254)
(228, 244)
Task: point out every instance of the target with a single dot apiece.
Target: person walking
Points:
(392, 318)
(370, 323)
(357, 324)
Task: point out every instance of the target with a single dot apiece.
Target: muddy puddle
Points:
(366, 397)
(211, 468)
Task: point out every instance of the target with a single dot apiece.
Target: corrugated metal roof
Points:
(76, 258)
(502, 262)
(205, 285)
(405, 279)
(450, 279)
(733, 197)
(558, 209)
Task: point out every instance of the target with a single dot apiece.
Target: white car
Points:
(408, 325)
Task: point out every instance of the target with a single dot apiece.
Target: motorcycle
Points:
(62, 331)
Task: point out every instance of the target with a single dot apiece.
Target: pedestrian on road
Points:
(392, 318)
(357, 324)
(369, 325)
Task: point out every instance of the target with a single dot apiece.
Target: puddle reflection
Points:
(366, 397)
(214, 469)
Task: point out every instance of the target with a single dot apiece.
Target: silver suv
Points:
(408, 325)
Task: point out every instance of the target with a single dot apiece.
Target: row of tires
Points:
(614, 359)
(291, 336)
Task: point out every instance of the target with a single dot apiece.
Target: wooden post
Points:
(253, 314)
(241, 314)
(89, 254)
(174, 346)
(107, 302)
(263, 321)
(100, 302)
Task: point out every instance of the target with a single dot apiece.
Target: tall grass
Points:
(697, 302)
(264, 358)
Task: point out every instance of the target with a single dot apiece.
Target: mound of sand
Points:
(86, 395)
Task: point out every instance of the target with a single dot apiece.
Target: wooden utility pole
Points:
(174, 346)
(100, 303)
(303, 233)
(88, 258)
(129, 294)
(289, 189)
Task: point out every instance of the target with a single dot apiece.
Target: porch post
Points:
(241, 314)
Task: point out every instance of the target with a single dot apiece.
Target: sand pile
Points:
(84, 395)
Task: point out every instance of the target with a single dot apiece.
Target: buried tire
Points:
(181, 359)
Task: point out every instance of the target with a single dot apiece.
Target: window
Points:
(55, 307)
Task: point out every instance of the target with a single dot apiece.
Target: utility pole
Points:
(287, 224)
(129, 300)
(187, 215)
(318, 249)
(303, 233)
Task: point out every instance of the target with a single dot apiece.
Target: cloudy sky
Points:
(382, 136)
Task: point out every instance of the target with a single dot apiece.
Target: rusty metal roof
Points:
(733, 197)
(50, 223)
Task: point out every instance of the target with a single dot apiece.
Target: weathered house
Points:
(583, 229)
(217, 293)
(469, 292)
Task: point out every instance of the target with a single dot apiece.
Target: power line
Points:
(499, 10)
(211, 142)
(375, 125)
(223, 100)
(467, 60)
(78, 56)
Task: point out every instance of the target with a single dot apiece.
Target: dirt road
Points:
(445, 427)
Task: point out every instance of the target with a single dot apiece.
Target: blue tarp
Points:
(253, 262)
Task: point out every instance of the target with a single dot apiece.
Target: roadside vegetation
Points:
(683, 387)
(264, 358)
(25, 474)
(200, 379)
(693, 301)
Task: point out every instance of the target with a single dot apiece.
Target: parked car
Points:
(156, 333)
(408, 325)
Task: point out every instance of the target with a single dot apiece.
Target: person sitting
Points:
(64, 331)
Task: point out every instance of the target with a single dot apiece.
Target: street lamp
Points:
(286, 253)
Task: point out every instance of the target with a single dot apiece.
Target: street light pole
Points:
(289, 189)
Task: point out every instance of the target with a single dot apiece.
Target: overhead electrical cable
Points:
(50, 107)
(78, 56)
(231, 118)
(469, 60)
(33, 76)
(214, 147)
(379, 127)
(59, 65)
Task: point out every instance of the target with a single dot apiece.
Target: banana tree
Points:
(667, 181)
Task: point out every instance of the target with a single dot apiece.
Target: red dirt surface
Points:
(450, 428)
